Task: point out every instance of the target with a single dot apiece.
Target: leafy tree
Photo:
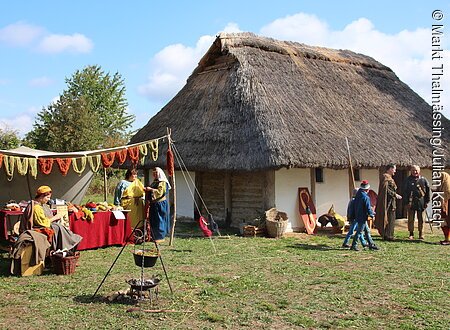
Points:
(90, 114)
(9, 138)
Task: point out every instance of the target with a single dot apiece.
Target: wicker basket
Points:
(276, 223)
(64, 265)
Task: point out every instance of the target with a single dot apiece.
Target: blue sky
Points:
(155, 45)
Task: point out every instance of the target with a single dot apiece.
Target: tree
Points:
(9, 138)
(90, 114)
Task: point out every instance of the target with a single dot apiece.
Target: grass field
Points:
(298, 282)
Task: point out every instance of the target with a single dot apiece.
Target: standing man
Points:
(416, 196)
(362, 210)
(386, 204)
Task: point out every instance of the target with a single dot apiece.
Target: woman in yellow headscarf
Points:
(129, 194)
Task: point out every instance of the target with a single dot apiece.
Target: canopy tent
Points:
(68, 173)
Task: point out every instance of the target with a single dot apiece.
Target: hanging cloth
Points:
(64, 165)
(45, 165)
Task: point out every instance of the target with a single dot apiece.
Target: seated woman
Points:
(42, 220)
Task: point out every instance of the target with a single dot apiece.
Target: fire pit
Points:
(138, 287)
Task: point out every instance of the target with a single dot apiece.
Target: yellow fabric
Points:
(39, 217)
(43, 189)
(340, 219)
(132, 200)
(161, 190)
(26, 269)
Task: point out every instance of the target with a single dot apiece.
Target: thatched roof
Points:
(256, 103)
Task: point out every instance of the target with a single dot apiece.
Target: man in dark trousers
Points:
(362, 210)
(416, 196)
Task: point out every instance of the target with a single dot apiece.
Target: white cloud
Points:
(307, 28)
(22, 123)
(232, 28)
(20, 34)
(170, 68)
(58, 43)
(4, 82)
(40, 82)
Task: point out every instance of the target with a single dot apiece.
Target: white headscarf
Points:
(161, 176)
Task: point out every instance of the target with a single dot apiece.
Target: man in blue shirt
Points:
(362, 210)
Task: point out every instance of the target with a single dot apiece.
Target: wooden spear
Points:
(350, 167)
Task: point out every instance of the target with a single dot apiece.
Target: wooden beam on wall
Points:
(312, 178)
(269, 190)
(227, 198)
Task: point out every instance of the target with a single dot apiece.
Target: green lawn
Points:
(245, 283)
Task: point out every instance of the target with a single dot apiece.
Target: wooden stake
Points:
(105, 185)
(174, 194)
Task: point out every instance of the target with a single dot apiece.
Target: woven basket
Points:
(64, 265)
(276, 223)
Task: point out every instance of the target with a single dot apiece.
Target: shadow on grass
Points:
(317, 247)
(404, 240)
(5, 266)
(98, 299)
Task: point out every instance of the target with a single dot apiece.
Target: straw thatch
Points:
(256, 103)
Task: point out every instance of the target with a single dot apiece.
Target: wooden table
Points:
(104, 231)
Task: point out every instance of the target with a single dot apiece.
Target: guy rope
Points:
(192, 190)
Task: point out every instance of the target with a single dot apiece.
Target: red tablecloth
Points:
(105, 230)
(4, 226)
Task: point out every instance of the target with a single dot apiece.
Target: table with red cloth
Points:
(5, 227)
(104, 231)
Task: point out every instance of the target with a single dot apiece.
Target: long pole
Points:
(350, 163)
(174, 197)
(105, 185)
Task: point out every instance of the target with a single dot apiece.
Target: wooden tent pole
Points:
(105, 185)
(174, 193)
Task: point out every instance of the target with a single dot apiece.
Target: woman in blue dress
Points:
(157, 197)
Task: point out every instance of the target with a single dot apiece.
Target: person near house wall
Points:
(386, 204)
(362, 210)
(416, 196)
(365, 239)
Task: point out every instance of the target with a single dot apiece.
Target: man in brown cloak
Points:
(386, 204)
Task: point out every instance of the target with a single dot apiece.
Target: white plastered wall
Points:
(287, 182)
(334, 190)
(185, 200)
(371, 175)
